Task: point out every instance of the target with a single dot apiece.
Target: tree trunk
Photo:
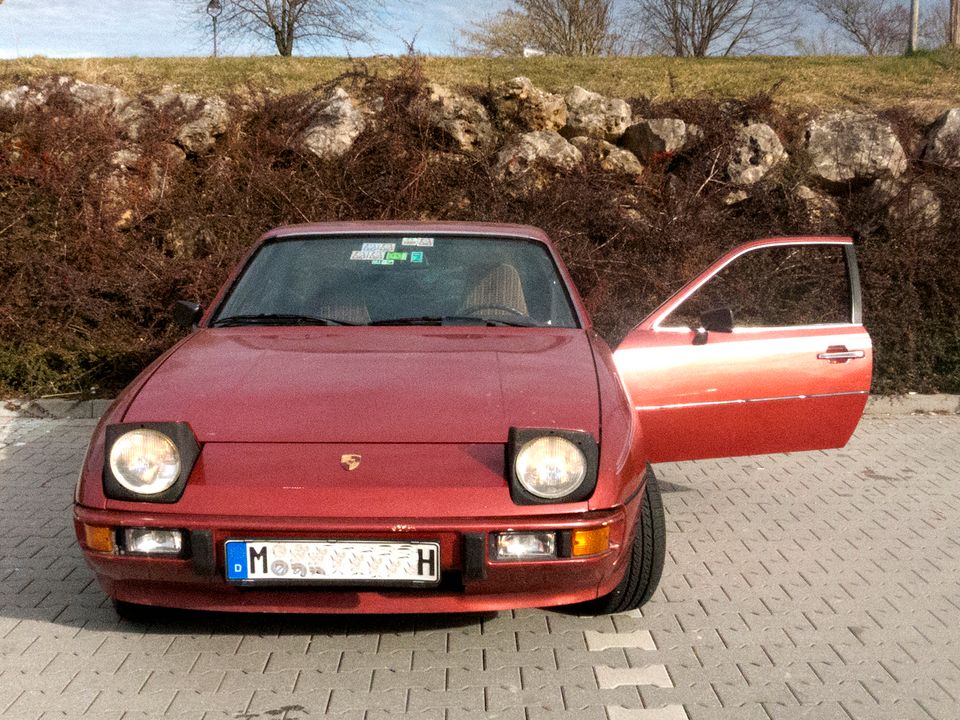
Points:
(914, 27)
(955, 23)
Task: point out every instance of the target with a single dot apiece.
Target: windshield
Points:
(402, 279)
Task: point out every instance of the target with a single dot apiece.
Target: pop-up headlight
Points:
(551, 466)
(148, 462)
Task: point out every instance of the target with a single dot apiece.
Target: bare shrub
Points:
(85, 300)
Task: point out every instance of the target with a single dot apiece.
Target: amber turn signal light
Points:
(99, 538)
(591, 542)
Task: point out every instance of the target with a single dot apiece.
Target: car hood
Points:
(373, 384)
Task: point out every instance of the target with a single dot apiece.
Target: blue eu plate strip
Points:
(236, 561)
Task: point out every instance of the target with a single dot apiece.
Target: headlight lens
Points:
(145, 461)
(550, 467)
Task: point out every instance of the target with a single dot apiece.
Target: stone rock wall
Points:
(528, 136)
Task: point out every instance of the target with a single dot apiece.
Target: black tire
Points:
(646, 558)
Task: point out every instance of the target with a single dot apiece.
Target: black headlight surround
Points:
(519, 437)
(187, 446)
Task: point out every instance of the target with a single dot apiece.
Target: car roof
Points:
(390, 227)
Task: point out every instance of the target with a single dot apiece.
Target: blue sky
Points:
(150, 28)
(107, 28)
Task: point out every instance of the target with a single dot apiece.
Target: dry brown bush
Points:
(86, 302)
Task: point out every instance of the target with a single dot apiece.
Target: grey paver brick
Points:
(356, 680)
(815, 585)
(390, 679)
(240, 680)
(345, 700)
(272, 704)
(208, 681)
(669, 712)
(462, 659)
(188, 700)
(426, 699)
(608, 677)
(546, 697)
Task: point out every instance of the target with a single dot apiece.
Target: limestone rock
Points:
(522, 107)
(15, 98)
(818, 207)
(758, 150)
(853, 148)
(337, 121)
(943, 140)
(210, 118)
(648, 138)
(914, 202)
(735, 198)
(458, 118)
(85, 96)
(593, 115)
(609, 156)
(135, 180)
(91, 96)
(535, 156)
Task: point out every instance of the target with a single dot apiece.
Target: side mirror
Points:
(187, 314)
(718, 320)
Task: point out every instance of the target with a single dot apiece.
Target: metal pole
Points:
(914, 26)
(214, 8)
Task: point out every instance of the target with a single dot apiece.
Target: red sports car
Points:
(420, 418)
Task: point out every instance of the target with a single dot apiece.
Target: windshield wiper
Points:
(277, 319)
(451, 320)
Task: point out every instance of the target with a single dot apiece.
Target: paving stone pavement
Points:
(821, 585)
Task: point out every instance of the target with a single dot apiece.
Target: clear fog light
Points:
(148, 541)
(525, 545)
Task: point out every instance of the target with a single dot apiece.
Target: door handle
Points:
(840, 354)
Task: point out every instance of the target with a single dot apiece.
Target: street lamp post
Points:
(214, 8)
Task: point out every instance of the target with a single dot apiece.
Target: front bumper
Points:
(470, 580)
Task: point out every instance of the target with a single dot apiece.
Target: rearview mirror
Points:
(187, 314)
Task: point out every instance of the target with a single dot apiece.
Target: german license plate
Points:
(333, 562)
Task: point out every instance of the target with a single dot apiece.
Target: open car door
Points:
(764, 352)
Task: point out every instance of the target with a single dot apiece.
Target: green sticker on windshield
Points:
(401, 256)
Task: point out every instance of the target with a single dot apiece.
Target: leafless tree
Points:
(288, 23)
(953, 27)
(879, 27)
(935, 24)
(697, 28)
(556, 27)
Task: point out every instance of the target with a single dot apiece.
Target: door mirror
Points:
(187, 314)
(718, 320)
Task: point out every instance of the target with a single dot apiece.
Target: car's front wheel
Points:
(646, 558)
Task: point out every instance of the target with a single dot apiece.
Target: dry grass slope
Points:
(926, 82)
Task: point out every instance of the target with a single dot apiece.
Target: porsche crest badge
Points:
(350, 462)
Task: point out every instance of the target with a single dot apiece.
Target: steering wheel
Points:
(470, 310)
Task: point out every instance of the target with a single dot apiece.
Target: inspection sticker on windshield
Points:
(417, 242)
(337, 561)
(416, 257)
(367, 255)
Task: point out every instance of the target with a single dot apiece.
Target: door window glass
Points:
(780, 286)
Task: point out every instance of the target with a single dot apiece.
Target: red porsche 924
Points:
(420, 418)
